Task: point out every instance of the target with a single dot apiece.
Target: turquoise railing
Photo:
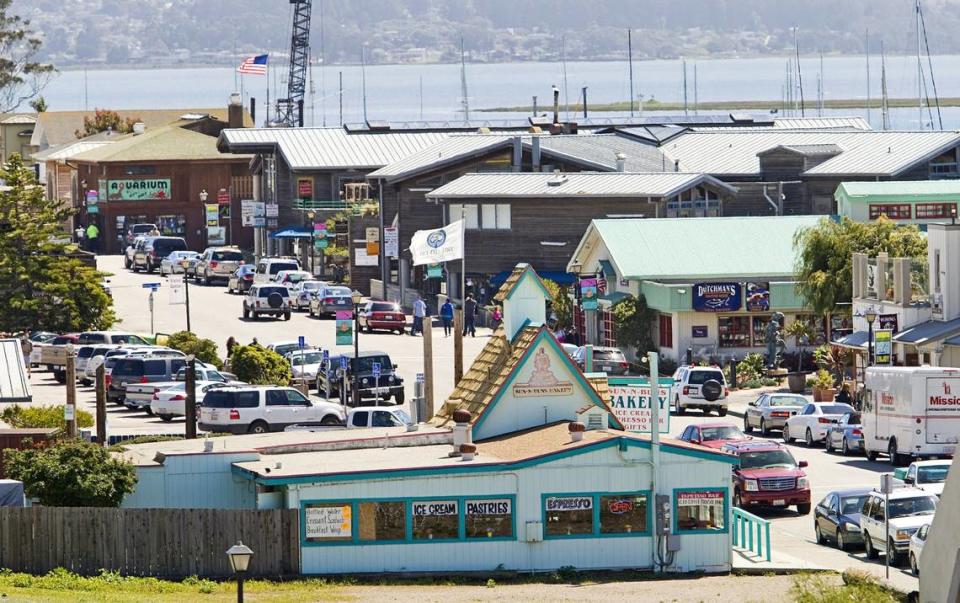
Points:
(751, 533)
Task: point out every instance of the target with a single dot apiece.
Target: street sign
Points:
(326, 355)
(178, 292)
(376, 370)
(420, 378)
(153, 286)
(223, 197)
(302, 342)
(343, 362)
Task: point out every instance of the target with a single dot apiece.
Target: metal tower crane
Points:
(290, 109)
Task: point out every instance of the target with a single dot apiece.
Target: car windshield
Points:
(84, 352)
(338, 292)
(366, 364)
(701, 377)
(384, 307)
(309, 285)
(284, 348)
(760, 459)
(305, 358)
(227, 256)
(615, 355)
(278, 266)
(852, 504)
(787, 401)
(932, 475)
(296, 277)
(403, 416)
(245, 269)
(835, 409)
(720, 433)
(908, 507)
(853, 418)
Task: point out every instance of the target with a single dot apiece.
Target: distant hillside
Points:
(408, 31)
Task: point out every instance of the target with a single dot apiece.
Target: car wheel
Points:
(330, 420)
(310, 311)
(166, 418)
(845, 447)
(871, 455)
(258, 427)
(808, 438)
(869, 549)
(127, 263)
(914, 568)
(206, 279)
(895, 557)
(86, 382)
(828, 443)
(763, 428)
(148, 410)
(722, 411)
(747, 428)
(286, 315)
(841, 544)
(680, 409)
(803, 509)
(819, 534)
(786, 434)
(894, 457)
(398, 397)
(246, 312)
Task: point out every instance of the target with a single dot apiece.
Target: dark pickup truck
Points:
(388, 385)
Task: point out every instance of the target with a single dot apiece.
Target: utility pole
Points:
(630, 60)
(428, 366)
(101, 383)
(457, 345)
(190, 404)
(70, 412)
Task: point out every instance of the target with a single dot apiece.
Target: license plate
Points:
(605, 367)
(388, 317)
(779, 503)
(380, 390)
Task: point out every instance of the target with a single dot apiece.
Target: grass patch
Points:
(857, 586)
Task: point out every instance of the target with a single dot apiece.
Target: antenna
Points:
(566, 90)
(630, 61)
(866, 45)
(796, 48)
(884, 106)
(463, 84)
(363, 76)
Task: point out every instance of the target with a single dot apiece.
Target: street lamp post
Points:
(239, 555)
(870, 315)
(356, 296)
(203, 208)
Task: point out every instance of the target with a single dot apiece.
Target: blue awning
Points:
(857, 339)
(293, 232)
(931, 330)
(564, 279)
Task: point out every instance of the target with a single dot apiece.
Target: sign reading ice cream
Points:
(541, 380)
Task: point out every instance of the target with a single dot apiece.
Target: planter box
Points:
(797, 382)
(824, 394)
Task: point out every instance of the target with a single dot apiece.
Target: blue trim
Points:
(408, 538)
(572, 368)
(596, 533)
(726, 510)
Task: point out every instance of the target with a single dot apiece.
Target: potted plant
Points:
(823, 389)
(801, 332)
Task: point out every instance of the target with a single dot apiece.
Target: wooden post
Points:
(457, 345)
(70, 413)
(427, 367)
(101, 383)
(190, 404)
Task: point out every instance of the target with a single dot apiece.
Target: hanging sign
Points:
(631, 403)
(216, 235)
(362, 258)
(391, 241)
(373, 241)
(699, 331)
(213, 214)
(138, 190)
(223, 197)
(588, 293)
(178, 294)
(883, 346)
(758, 297)
(305, 189)
(247, 212)
(272, 210)
(716, 297)
(434, 270)
(344, 327)
(888, 321)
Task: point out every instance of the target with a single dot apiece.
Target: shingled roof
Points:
(506, 289)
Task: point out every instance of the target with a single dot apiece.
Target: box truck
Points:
(911, 412)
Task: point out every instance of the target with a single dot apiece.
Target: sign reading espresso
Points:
(542, 381)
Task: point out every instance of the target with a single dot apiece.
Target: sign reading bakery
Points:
(540, 380)
(717, 297)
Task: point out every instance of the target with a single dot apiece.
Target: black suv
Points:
(150, 251)
(389, 385)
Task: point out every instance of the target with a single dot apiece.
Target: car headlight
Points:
(902, 535)
(803, 483)
(364, 381)
(750, 485)
(851, 527)
(390, 379)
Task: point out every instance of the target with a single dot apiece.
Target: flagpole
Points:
(463, 258)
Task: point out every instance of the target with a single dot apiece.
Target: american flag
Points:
(254, 65)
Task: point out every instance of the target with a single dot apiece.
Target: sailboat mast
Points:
(866, 45)
(463, 83)
(566, 89)
(884, 107)
(919, 68)
(820, 85)
(796, 48)
(696, 91)
(685, 109)
(363, 79)
(630, 62)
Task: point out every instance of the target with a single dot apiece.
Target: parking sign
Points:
(376, 370)
(343, 362)
(302, 342)
(420, 378)
(326, 355)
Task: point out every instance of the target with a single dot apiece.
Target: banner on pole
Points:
(344, 327)
(439, 245)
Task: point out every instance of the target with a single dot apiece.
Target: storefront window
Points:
(666, 330)
(734, 331)
(901, 211)
(700, 510)
(172, 225)
(760, 330)
(607, 337)
(492, 518)
(328, 522)
(380, 521)
(568, 515)
(435, 519)
(623, 514)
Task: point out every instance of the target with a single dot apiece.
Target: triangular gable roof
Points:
(520, 272)
(497, 367)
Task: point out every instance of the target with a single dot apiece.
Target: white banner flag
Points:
(440, 245)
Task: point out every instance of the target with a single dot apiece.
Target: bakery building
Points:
(523, 467)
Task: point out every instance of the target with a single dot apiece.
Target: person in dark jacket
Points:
(446, 316)
(470, 316)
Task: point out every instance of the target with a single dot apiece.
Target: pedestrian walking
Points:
(78, 234)
(93, 242)
(419, 313)
(446, 315)
(231, 345)
(153, 232)
(496, 317)
(470, 316)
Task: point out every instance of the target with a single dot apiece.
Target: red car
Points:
(766, 474)
(713, 435)
(381, 315)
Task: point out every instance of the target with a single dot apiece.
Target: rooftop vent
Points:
(557, 179)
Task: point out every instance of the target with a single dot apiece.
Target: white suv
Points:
(270, 300)
(261, 409)
(702, 387)
(910, 508)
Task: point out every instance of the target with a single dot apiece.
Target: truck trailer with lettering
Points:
(911, 412)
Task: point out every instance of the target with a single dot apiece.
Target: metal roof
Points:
(328, 148)
(448, 151)
(14, 382)
(929, 331)
(812, 150)
(66, 151)
(713, 248)
(600, 151)
(575, 184)
(19, 119)
(865, 153)
(858, 191)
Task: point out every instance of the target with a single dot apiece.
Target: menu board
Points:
(328, 522)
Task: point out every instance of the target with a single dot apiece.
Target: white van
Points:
(911, 412)
(267, 269)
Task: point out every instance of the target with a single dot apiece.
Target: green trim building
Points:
(904, 202)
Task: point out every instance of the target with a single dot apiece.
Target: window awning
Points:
(293, 232)
(857, 339)
(608, 272)
(928, 332)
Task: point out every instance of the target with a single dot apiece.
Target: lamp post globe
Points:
(239, 556)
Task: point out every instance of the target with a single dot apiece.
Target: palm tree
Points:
(802, 332)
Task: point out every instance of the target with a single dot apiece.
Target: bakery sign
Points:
(138, 190)
(542, 381)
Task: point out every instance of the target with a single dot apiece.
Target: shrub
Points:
(73, 473)
(40, 417)
(824, 379)
(751, 368)
(857, 586)
(750, 384)
(260, 366)
(204, 350)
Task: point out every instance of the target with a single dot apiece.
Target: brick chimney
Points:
(235, 111)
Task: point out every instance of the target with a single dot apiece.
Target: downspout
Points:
(776, 208)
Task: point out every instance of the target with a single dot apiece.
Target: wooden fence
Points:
(168, 543)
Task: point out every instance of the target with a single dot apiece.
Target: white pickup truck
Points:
(362, 418)
(929, 476)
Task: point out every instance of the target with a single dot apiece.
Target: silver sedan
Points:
(173, 263)
(771, 411)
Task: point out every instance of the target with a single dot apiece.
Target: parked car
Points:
(303, 292)
(570, 349)
(766, 474)
(712, 435)
(837, 517)
(173, 263)
(383, 316)
(330, 300)
(286, 346)
(150, 251)
(54, 355)
(130, 251)
(114, 337)
(170, 401)
(140, 230)
(910, 508)
(267, 268)
(845, 434)
(812, 422)
(305, 365)
(241, 279)
(262, 409)
(929, 476)
(111, 356)
(362, 418)
(771, 411)
(88, 373)
(39, 339)
(605, 360)
(702, 387)
(916, 547)
(217, 264)
(267, 300)
(289, 278)
(389, 385)
(140, 370)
